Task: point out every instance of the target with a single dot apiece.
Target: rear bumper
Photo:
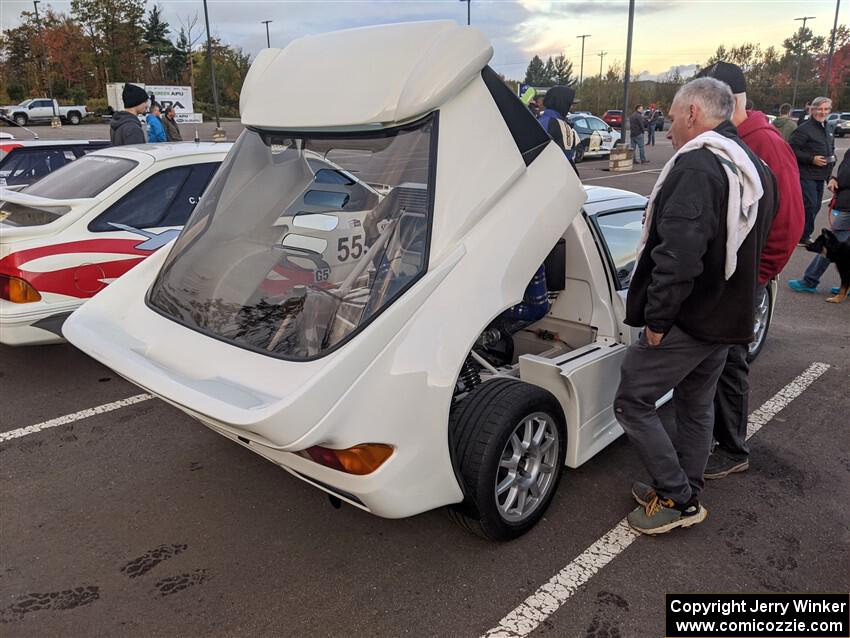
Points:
(22, 325)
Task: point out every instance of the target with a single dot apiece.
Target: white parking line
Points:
(561, 587)
(70, 418)
(649, 170)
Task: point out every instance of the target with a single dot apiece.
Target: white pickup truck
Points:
(42, 109)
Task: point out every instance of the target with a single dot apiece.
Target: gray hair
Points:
(820, 100)
(713, 96)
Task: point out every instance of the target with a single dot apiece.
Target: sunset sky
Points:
(667, 33)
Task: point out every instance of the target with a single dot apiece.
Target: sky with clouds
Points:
(668, 33)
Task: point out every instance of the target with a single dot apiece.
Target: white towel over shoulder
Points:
(745, 191)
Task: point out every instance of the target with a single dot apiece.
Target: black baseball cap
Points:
(726, 72)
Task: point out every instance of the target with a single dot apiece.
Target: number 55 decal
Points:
(354, 251)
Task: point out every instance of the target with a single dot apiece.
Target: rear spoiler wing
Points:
(35, 201)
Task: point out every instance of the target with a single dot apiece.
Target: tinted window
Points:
(621, 232)
(597, 125)
(164, 199)
(581, 124)
(27, 166)
(529, 136)
(187, 198)
(85, 177)
(326, 199)
(328, 176)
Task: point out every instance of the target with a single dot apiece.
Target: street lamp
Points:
(625, 124)
(581, 68)
(218, 134)
(831, 50)
(799, 56)
(268, 42)
(55, 122)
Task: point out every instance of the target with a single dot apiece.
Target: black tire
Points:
(21, 119)
(579, 156)
(480, 428)
(761, 330)
(74, 118)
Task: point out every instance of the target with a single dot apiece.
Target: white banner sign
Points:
(180, 97)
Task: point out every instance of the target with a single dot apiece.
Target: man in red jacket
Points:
(731, 454)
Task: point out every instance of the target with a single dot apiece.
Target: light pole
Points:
(268, 42)
(799, 56)
(831, 50)
(55, 122)
(468, 11)
(581, 67)
(601, 55)
(218, 134)
(625, 124)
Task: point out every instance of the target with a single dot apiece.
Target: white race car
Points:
(416, 366)
(66, 237)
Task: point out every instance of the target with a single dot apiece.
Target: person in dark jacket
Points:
(125, 127)
(839, 223)
(172, 131)
(731, 409)
(690, 304)
(637, 128)
(553, 118)
(814, 147)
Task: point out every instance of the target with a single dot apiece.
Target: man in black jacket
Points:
(814, 146)
(637, 127)
(125, 127)
(691, 312)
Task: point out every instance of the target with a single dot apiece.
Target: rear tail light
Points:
(359, 460)
(17, 290)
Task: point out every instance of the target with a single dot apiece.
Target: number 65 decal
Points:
(346, 252)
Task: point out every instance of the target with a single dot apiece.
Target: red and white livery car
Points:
(68, 236)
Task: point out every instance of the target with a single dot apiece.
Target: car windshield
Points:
(292, 250)
(85, 177)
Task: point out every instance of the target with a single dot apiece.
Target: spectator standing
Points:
(814, 147)
(839, 222)
(638, 128)
(156, 131)
(693, 289)
(784, 122)
(125, 127)
(650, 128)
(731, 409)
(553, 118)
(172, 131)
(805, 114)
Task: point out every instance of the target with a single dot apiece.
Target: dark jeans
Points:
(812, 196)
(650, 134)
(691, 367)
(731, 404)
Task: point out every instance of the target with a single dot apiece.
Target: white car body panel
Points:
(494, 221)
(66, 243)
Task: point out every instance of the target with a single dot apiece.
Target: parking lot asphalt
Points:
(141, 522)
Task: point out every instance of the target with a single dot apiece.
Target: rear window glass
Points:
(85, 177)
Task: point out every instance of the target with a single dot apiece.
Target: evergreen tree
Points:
(549, 72)
(535, 73)
(563, 71)
(179, 57)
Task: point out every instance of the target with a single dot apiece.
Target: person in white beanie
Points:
(693, 290)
